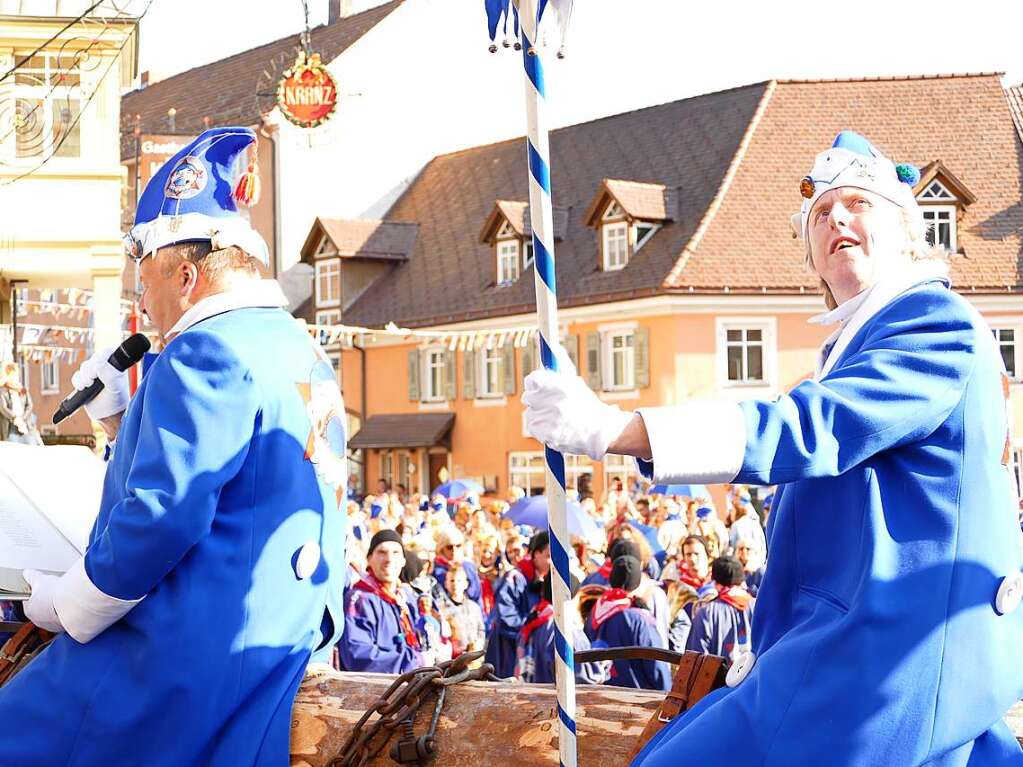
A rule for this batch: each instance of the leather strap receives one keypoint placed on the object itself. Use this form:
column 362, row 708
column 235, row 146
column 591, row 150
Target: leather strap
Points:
column 10, row 627
column 629, row 653
column 696, row 675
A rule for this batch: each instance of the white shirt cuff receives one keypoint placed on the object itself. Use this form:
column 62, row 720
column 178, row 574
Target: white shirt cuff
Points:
column 703, row 441
column 84, row 610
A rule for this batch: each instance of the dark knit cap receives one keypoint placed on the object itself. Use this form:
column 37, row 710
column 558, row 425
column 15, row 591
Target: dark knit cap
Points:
column 413, row 566
column 727, row 571
column 548, row 588
column 539, row 542
column 382, row 537
column 623, row 547
column 626, row 573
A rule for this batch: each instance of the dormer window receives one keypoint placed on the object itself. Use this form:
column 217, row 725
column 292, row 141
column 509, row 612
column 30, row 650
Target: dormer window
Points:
column 627, row 215
column 616, row 245
column 939, row 209
column 943, row 200
column 507, row 232
column 507, row 261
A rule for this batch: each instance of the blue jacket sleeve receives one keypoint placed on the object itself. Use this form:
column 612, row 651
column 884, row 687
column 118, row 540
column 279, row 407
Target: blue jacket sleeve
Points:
column 655, row 675
column 370, row 642
column 199, row 411
column 900, row 384
column 508, row 606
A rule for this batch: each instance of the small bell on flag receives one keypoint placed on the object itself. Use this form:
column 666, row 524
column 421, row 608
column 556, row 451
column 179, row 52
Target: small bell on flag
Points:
column 247, row 190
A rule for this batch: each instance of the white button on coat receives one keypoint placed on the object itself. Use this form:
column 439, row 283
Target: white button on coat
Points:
column 739, row 670
column 1010, row 593
column 308, row 560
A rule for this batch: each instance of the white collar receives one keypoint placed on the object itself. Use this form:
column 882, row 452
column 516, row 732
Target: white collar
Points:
column 869, row 302
column 842, row 312
column 261, row 293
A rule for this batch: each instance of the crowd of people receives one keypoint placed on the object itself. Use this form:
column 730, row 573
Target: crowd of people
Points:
column 430, row 578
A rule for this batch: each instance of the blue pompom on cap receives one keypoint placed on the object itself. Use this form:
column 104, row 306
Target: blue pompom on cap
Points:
column 908, row 174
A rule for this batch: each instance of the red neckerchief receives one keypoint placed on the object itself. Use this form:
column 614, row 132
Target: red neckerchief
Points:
column 440, row 561
column 543, row 612
column 527, row 568
column 370, row 583
column 487, row 595
column 736, row 596
column 605, row 569
column 610, row 603
column 688, row 577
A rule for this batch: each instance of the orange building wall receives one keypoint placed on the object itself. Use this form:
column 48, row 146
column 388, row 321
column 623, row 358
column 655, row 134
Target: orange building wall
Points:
column 683, row 364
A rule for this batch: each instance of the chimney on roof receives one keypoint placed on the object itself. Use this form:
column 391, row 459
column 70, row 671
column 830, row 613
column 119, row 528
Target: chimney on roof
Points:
column 338, row 9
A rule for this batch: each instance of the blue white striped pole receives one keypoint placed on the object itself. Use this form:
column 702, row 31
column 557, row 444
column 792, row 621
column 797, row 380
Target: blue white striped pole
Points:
column 541, row 220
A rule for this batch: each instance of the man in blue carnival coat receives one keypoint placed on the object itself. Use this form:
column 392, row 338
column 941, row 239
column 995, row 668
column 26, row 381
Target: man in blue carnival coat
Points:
column 903, row 650
column 721, row 622
column 380, row 617
column 213, row 572
column 618, row 619
column 514, row 600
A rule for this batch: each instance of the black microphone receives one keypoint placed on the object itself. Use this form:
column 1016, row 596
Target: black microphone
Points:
column 124, row 356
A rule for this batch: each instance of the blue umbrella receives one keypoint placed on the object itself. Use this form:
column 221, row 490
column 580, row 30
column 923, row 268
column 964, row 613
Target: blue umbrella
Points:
column 532, row 511
column 459, row 488
column 690, row 491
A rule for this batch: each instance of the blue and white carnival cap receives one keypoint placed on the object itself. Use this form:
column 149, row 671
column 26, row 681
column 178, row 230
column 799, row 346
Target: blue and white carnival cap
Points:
column 192, row 198
column 853, row 161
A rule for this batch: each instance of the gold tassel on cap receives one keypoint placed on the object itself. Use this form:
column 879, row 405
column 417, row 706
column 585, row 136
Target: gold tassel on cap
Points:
column 247, row 190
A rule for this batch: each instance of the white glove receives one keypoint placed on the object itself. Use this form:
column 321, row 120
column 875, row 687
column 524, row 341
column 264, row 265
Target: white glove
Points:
column 39, row 607
column 115, row 395
column 564, row 413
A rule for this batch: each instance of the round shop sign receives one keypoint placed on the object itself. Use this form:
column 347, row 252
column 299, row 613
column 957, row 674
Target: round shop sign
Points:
column 307, row 94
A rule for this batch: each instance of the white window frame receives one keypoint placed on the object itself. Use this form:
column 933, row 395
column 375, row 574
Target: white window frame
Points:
column 493, row 358
column 532, row 474
column 387, row 466
column 628, row 352
column 51, row 94
column 951, row 211
column 328, row 270
column 50, row 376
column 619, row 230
column 643, row 240
column 430, row 354
column 768, row 327
column 1016, row 326
column 329, row 317
column 528, row 256
column 508, row 255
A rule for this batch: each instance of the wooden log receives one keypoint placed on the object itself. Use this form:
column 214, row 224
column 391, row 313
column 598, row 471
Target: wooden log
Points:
column 483, row 722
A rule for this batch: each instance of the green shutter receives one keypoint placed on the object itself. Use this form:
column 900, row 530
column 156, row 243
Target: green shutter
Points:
column 414, row 392
column 508, row 367
column 469, row 374
column 593, row 377
column 528, row 357
column 642, row 358
column 449, row 375
column 571, row 344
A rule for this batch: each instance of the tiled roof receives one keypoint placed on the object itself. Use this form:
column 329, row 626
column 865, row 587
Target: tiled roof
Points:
column 1015, row 98
column 735, row 158
column 653, row 202
column 403, row 430
column 231, row 91
column 961, row 120
column 516, row 213
column 451, row 274
column 369, row 239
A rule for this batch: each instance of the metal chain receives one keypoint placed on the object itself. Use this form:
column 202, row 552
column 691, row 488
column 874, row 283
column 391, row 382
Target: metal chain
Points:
column 396, row 709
